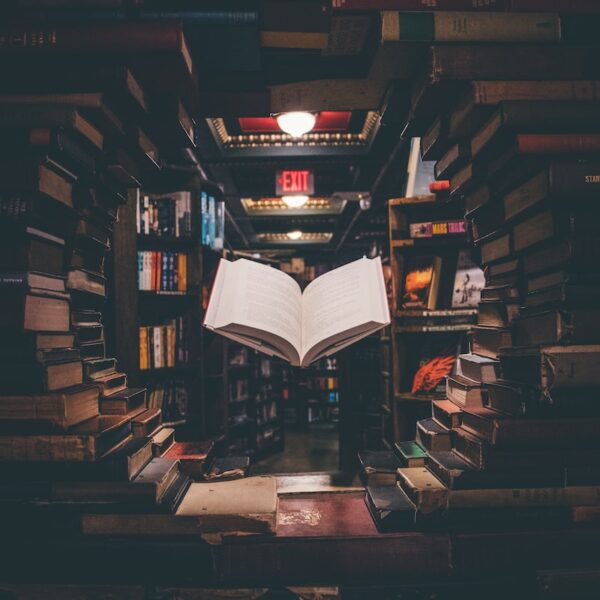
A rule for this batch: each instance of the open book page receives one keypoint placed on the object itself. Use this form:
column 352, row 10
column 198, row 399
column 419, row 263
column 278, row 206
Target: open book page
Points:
column 252, row 299
column 341, row 306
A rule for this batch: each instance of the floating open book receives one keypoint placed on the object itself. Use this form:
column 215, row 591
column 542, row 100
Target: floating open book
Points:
column 265, row 309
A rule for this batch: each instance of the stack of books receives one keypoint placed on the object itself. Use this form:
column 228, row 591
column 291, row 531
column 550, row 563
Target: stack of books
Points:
column 516, row 439
column 72, row 152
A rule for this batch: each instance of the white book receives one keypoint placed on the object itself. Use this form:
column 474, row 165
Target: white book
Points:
column 265, row 308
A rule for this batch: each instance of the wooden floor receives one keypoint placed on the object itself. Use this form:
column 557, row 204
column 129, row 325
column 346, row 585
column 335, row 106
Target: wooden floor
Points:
column 305, row 452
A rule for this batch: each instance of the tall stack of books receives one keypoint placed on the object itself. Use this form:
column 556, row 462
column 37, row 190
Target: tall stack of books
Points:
column 71, row 430
column 516, row 439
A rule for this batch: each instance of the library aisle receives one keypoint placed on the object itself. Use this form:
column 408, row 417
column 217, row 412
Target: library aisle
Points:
column 299, row 299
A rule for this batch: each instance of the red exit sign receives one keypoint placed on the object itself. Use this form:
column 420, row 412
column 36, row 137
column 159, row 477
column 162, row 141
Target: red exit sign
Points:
column 295, row 182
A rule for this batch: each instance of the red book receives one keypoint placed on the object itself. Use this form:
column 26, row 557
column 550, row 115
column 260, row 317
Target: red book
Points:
column 558, row 143
column 435, row 187
column 109, row 38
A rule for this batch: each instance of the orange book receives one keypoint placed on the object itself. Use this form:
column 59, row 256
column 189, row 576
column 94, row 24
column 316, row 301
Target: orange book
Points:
column 183, row 272
column 143, row 348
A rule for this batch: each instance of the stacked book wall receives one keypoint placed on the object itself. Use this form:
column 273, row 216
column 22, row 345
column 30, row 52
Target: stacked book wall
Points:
column 513, row 440
column 82, row 125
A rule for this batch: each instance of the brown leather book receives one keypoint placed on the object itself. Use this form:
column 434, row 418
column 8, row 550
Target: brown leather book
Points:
column 487, row 341
column 578, row 325
column 504, row 432
column 481, row 98
column 63, row 408
column 36, row 176
column 87, row 441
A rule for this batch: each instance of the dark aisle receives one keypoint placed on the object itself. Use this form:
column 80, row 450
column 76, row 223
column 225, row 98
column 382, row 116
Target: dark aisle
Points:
column 305, row 451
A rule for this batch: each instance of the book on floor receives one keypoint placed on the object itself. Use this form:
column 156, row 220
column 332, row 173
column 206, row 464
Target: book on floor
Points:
column 277, row 318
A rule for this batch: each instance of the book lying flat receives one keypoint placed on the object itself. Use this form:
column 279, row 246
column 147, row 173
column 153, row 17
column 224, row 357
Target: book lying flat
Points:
column 265, row 309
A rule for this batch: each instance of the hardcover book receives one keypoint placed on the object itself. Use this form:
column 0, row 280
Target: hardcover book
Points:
column 390, row 508
column 277, row 318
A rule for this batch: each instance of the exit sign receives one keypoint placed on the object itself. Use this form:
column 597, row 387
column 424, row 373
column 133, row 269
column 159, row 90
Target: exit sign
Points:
column 295, row 182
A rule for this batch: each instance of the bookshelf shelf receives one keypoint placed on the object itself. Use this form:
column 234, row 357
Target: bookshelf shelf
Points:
column 436, row 276
column 167, row 242
column 455, row 312
column 433, row 328
column 429, row 243
column 162, row 295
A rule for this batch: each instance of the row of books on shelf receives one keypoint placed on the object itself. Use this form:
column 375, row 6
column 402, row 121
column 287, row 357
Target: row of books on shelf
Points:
column 172, row 397
column 421, row 282
column 164, row 271
column 165, row 215
column 322, row 383
column 212, row 214
column 166, row 345
column 323, row 413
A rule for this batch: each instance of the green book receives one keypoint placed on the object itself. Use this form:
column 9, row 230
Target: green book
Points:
column 411, row 454
column 458, row 27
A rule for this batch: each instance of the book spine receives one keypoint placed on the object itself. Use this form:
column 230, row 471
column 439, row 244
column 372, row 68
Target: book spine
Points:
column 110, row 38
column 493, row 92
column 188, row 17
column 553, row 496
column 470, row 27
column 558, row 143
column 164, row 271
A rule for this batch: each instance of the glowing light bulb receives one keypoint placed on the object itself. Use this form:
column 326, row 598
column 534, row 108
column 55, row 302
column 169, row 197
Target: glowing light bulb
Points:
column 296, row 123
column 295, row 201
column 294, row 235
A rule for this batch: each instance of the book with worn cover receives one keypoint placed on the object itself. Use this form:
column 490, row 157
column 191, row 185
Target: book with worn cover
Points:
column 457, row 27
column 62, row 408
column 228, row 467
column 87, row 441
column 148, row 487
column 410, row 454
column 478, row 368
column 277, row 318
column 429, row 494
column 432, row 436
column 390, row 508
column 446, row 413
column 247, row 505
column 456, row 474
column 465, row 392
column 378, row 467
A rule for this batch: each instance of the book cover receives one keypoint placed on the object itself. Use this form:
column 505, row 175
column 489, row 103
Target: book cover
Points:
column 421, row 282
column 469, row 280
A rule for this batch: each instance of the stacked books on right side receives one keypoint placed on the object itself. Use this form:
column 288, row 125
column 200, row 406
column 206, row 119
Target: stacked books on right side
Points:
column 518, row 438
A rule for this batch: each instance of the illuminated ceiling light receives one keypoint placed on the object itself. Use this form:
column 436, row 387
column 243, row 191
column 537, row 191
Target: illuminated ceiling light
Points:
column 296, row 123
column 294, row 235
column 295, row 201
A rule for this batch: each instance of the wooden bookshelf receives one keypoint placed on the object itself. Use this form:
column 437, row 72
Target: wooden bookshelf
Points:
column 420, row 333
column 134, row 308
